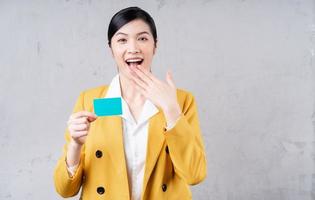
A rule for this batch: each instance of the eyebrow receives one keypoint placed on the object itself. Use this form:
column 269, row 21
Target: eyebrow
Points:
column 143, row 32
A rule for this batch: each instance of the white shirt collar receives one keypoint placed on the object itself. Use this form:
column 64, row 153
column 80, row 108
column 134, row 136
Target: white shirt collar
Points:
column 148, row 110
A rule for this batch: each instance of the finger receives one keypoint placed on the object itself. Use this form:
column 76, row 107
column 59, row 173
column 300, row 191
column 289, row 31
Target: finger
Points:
column 148, row 74
column 140, row 82
column 79, row 127
column 78, row 121
column 143, row 76
column 169, row 79
column 92, row 118
column 79, row 134
column 83, row 114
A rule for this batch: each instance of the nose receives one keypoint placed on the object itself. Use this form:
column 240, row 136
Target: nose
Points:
column 133, row 47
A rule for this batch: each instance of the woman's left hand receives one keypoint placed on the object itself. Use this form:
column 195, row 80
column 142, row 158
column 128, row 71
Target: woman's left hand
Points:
column 162, row 94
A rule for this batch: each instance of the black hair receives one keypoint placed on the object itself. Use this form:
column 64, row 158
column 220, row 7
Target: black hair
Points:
column 126, row 15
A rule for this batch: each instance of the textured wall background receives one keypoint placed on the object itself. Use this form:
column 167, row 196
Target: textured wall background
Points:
column 250, row 65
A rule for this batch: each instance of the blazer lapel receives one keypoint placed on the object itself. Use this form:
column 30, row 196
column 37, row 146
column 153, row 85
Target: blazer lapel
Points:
column 155, row 143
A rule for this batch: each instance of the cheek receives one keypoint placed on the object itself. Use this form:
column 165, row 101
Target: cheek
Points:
column 150, row 55
column 119, row 58
column 117, row 52
column 148, row 51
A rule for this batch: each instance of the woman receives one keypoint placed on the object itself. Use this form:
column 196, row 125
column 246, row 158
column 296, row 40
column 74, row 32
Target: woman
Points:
column 153, row 150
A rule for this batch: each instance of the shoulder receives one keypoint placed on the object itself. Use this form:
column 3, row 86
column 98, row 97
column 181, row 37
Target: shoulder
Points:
column 95, row 92
column 88, row 95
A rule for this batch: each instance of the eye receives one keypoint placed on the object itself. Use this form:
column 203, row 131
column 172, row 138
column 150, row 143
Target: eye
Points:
column 143, row 39
column 122, row 40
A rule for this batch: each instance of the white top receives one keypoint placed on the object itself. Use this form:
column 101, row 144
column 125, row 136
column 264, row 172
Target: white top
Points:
column 135, row 136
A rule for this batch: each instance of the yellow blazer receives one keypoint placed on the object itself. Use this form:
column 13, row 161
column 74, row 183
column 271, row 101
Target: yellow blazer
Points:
column 175, row 158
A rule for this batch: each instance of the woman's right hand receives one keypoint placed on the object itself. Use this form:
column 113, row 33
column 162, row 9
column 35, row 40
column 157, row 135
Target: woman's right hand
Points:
column 79, row 125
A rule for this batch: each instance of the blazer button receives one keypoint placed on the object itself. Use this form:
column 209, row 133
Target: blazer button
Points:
column 98, row 154
column 100, row 190
column 166, row 149
column 164, row 187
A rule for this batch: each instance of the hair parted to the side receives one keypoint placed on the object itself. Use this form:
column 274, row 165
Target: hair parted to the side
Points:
column 125, row 16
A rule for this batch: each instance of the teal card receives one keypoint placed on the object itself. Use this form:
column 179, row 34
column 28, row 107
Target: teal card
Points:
column 107, row 106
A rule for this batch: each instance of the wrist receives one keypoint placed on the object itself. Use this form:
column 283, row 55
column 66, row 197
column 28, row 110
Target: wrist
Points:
column 73, row 144
column 172, row 113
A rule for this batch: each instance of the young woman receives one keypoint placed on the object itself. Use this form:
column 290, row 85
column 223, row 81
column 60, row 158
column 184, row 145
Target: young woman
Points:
column 154, row 150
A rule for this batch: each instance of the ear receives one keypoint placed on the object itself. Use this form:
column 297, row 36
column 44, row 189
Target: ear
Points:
column 155, row 47
column 111, row 50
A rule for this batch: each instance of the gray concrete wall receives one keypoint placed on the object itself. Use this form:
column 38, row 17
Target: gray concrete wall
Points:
column 250, row 65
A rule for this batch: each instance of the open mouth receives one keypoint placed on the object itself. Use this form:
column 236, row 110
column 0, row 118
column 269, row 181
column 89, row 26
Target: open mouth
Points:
column 134, row 62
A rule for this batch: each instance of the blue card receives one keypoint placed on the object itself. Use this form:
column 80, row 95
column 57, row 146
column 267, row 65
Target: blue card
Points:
column 107, row 106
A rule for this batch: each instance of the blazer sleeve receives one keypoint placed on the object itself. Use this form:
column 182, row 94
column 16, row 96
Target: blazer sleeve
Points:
column 66, row 185
column 185, row 144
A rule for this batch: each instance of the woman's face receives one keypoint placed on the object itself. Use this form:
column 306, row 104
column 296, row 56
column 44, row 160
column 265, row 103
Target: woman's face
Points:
column 132, row 45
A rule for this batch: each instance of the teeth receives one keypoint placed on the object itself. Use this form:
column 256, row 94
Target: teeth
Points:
column 134, row 60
